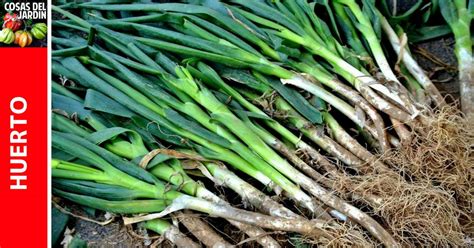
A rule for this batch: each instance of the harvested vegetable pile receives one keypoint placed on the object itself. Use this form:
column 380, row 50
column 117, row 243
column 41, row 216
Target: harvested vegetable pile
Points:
column 314, row 114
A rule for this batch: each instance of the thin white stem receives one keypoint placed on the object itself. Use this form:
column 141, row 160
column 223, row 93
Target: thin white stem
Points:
column 411, row 64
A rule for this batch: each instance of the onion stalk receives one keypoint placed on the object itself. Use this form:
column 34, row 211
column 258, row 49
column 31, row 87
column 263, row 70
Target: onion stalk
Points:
column 458, row 14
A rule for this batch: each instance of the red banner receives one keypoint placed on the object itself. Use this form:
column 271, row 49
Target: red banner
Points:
column 23, row 147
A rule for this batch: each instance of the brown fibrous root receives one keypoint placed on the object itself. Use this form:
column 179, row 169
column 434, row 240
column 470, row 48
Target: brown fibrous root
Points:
column 343, row 235
column 416, row 213
column 427, row 199
column 442, row 153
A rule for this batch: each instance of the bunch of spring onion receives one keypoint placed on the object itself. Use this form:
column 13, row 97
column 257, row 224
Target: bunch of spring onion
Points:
column 164, row 67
